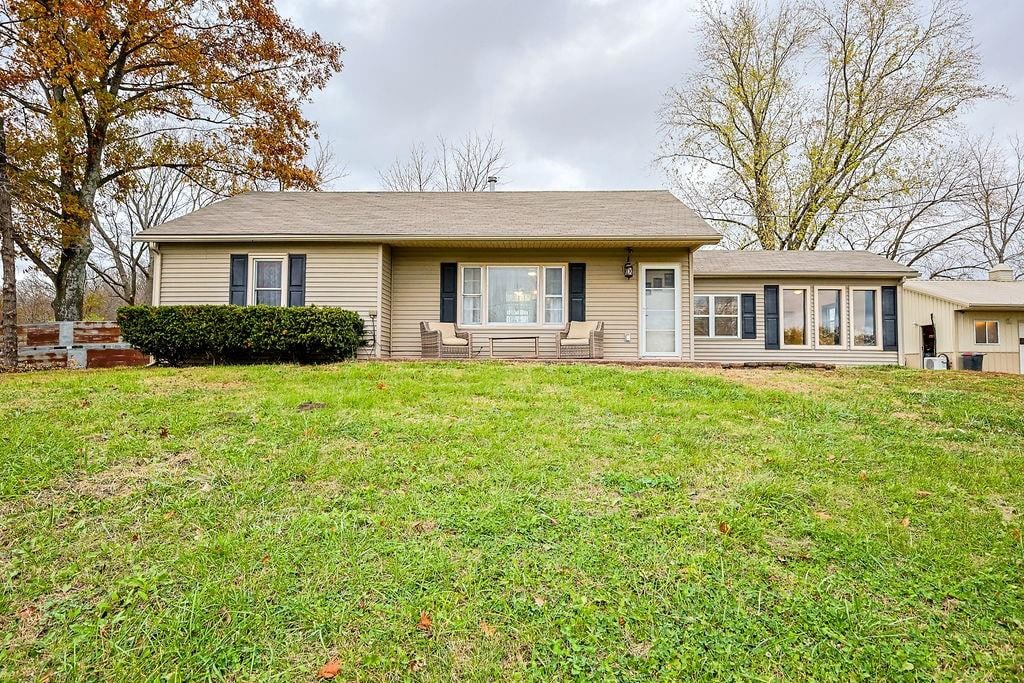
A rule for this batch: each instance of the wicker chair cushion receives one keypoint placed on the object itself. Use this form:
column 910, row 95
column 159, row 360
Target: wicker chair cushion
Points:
column 580, row 330
column 448, row 337
column 574, row 341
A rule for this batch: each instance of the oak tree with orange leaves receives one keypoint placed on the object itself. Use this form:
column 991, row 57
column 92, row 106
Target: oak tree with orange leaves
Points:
column 94, row 92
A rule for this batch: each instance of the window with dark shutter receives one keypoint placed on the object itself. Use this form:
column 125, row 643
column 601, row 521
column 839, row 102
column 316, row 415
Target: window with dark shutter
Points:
column 748, row 309
column 449, row 291
column 890, row 325
column 771, row 317
column 577, row 291
column 238, row 279
column 296, row 279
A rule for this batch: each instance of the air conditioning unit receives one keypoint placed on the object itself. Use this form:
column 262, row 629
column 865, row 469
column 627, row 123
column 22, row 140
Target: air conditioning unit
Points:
column 935, row 363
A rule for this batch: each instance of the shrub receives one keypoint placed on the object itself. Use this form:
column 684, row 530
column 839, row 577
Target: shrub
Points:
column 241, row 334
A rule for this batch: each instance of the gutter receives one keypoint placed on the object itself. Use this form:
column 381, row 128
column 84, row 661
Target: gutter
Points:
column 392, row 239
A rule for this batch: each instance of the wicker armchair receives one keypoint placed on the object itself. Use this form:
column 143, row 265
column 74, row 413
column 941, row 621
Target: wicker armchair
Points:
column 444, row 340
column 581, row 340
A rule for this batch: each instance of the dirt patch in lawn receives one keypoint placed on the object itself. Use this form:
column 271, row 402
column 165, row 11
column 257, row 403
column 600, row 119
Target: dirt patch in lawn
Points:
column 807, row 382
column 126, row 477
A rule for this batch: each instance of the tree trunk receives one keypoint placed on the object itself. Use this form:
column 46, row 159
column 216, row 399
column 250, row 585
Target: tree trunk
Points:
column 9, row 299
column 69, row 285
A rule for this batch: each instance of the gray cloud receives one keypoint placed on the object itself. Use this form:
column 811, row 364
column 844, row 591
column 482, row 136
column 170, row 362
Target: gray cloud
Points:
column 572, row 87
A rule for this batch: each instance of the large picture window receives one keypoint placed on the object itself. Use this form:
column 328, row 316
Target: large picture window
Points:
column 986, row 331
column 512, row 295
column 865, row 317
column 830, row 317
column 716, row 315
column 794, row 317
column 268, row 277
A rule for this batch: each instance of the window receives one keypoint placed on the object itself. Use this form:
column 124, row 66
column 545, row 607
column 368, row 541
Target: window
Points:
column 716, row 315
column 472, row 295
column 986, row 331
column 830, row 317
column 865, row 317
column 554, row 299
column 512, row 295
column 794, row 317
column 267, row 280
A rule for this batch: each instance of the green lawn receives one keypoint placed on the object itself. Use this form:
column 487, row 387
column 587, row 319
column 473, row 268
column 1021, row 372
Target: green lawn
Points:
column 553, row 522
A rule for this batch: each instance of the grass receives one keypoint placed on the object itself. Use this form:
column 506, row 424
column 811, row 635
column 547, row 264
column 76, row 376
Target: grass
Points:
column 551, row 522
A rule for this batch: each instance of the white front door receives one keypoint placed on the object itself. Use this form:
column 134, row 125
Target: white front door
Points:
column 659, row 311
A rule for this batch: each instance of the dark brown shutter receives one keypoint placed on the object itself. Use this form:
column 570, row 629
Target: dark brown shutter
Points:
column 890, row 324
column 296, row 279
column 771, row 317
column 238, row 279
column 748, row 310
column 578, row 291
column 449, row 291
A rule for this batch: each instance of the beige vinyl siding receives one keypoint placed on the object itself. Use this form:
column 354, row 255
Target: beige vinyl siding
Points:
column 752, row 350
column 1001, row 357
column 918, row 310
column 342, row 275
column 954, row 330
column 385, row 300
column 609, row 296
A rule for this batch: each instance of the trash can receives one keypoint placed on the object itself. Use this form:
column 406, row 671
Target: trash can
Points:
column 972, row 361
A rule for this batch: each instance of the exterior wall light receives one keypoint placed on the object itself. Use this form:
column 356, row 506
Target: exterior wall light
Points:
column 627, row 267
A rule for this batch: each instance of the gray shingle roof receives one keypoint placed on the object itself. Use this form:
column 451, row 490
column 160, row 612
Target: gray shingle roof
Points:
column 648, row 215
column 708, row 262
column 974, row 293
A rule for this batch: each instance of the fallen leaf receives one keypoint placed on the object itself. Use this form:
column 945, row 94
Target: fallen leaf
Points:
column 310, row 405
column 821, row 514
column 416, row 665
column 905, row 521
column 1015, row 532
column 265, row 559
column 921, row 493
column 539, row 601
column 382, row 386
column 488, row 630
column 724, row 528
column 425, row 624
column 169, row 514
column 164, row 433
column 329, row 670
column 863, row 475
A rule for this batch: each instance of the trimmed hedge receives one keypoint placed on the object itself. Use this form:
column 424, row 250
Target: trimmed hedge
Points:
column 177, row 335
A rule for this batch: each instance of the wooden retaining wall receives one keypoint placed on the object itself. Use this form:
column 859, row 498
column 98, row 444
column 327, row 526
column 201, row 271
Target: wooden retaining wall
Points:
column 75, row 345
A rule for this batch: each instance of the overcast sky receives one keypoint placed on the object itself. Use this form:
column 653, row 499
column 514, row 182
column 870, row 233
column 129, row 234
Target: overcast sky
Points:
column 572, row 87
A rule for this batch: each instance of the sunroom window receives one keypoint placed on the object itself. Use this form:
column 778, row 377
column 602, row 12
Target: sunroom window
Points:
column 865, row 317
column 794, row 317
column 830, row 317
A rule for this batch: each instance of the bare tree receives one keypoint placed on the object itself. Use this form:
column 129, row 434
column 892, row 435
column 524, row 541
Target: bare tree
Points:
column 144, row 200
column 462, row 166
column 9, row 299
column 995, row 205
column 801, row 117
